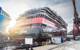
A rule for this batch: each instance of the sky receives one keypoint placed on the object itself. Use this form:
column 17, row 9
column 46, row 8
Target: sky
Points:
column 63, row 8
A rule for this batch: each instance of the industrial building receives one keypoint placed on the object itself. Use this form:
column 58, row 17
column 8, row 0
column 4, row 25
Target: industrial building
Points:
column 4, row 21
column 41, row 24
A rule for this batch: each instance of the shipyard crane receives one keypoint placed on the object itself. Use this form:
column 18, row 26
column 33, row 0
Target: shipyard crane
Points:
column 76, row 21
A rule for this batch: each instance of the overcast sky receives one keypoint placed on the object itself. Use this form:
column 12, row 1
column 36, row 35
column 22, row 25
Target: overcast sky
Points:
column 62, row 7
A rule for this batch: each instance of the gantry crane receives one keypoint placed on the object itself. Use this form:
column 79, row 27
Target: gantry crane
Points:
column 76, row 21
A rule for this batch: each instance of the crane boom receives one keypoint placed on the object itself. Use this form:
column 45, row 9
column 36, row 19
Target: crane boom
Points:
column 75, row 11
